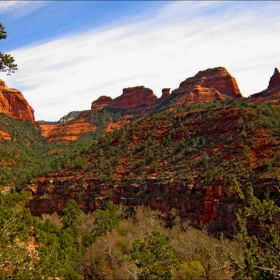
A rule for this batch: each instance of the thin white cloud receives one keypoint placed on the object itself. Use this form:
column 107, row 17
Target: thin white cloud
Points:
column 18, row 9
column 181, row 39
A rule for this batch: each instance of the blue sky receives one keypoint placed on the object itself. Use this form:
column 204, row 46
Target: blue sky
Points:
column 71, row 52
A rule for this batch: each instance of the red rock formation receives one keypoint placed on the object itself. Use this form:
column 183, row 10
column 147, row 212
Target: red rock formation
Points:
column 271, row 94
column 91, row 191
column 274, row 83
column 69, row 131
column 208, row 86
column 134, row 97
column 101, row 102
column 165, row 93
column 14, row 104
column 131, row 98
column 201, row 205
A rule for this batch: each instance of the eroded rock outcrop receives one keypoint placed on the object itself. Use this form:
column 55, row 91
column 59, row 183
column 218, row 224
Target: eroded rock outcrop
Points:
column 165, row 94
column 134, row 97
column 213, row 84
column 67, row 131
column 271, row 94
column 274, row 83
column 131, row 97
column 101, row 102
column 13, row 103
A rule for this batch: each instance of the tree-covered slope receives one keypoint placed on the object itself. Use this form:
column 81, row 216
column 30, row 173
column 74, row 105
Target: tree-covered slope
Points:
column 204, row 143
column 25, row 154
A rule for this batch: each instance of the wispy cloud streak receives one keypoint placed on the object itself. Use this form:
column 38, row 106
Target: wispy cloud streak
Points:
column 19, row 9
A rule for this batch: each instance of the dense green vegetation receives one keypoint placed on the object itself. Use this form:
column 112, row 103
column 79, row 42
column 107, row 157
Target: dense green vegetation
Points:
column 27, row 155
column 262, row 247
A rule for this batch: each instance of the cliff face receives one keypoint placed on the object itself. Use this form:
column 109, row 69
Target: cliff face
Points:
column 14, row 104
column 70, row 116
column 202, row 206
column 271, row 94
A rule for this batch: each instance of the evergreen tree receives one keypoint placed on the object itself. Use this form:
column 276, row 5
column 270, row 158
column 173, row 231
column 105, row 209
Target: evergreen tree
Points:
column 71, row 216
column 155, row 257
column 106, row 219
column 7, row 62
column 261, row 247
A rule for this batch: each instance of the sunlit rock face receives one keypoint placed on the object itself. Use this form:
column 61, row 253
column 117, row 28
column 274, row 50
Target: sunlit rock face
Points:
column 130, row 98
column 214, row 84
column 13, row 103
column 134, row 97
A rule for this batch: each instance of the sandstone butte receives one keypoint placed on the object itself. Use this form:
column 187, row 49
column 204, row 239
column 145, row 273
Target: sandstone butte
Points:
column 131, row 97
column 271, row 94
column 12, row 103
column 213, row 84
